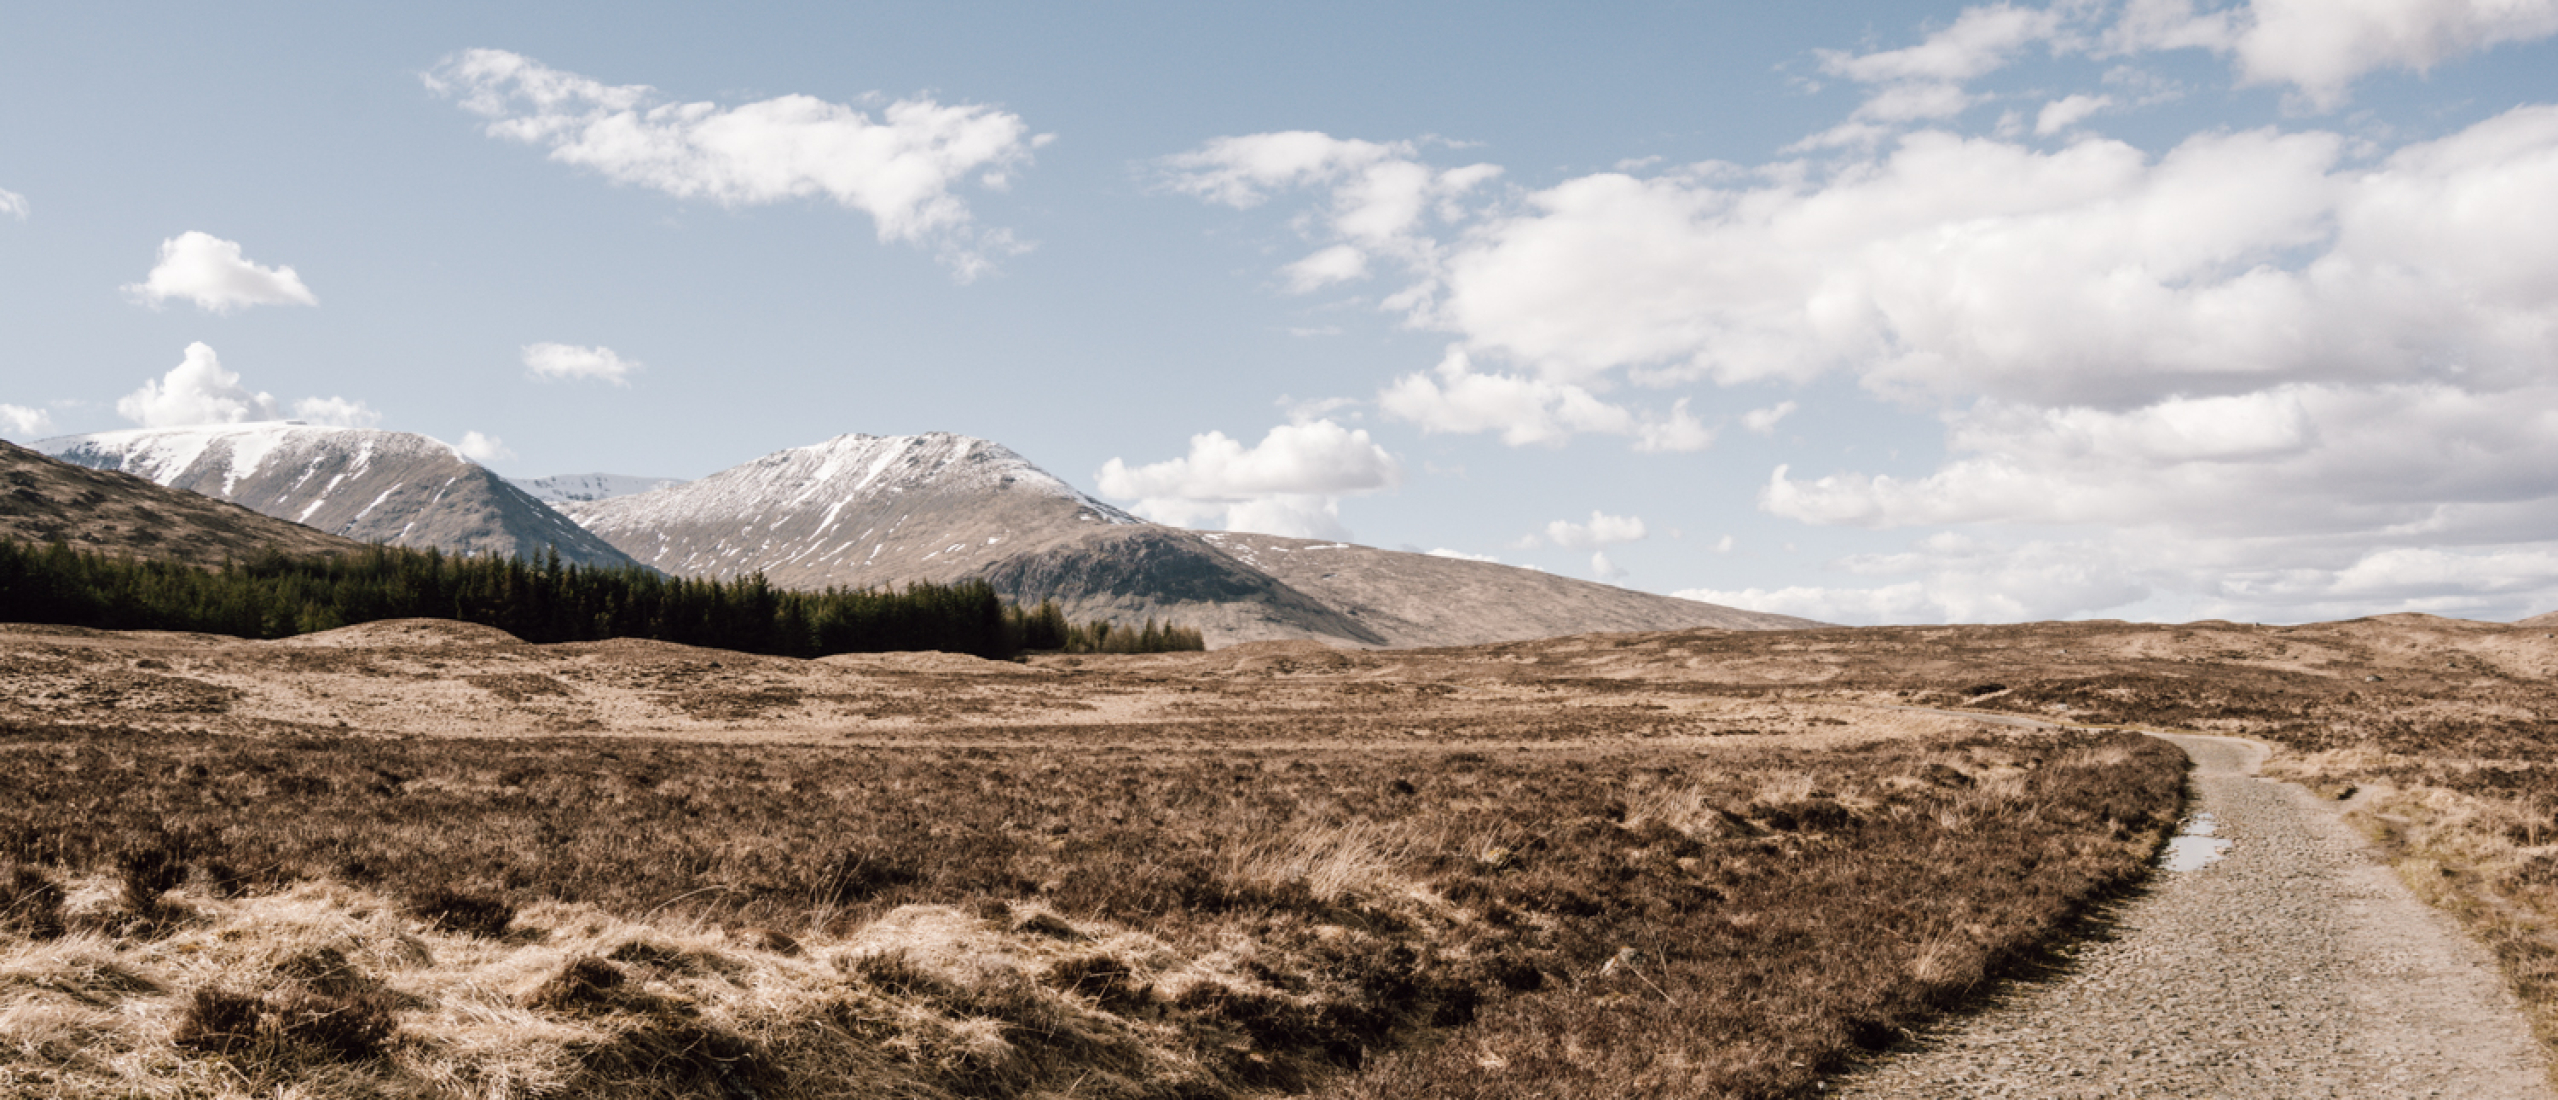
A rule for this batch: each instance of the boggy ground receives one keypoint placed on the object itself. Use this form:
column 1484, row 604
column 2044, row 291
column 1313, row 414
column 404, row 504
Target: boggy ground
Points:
column 424, row 860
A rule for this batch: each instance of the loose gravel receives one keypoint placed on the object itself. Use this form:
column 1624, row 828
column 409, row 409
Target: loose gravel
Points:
column 2297, row 965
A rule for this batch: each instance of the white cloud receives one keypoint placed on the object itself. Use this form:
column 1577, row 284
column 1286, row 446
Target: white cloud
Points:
column 548, row 360
column 901, row 168
column 209, row 271
column 1452, row 398
column 2067, row 111
column 1340, row 263
column 2322, row 46
column 336, row 412
column 196, row 391
column 1678, row 432
column 1602, row 530
column 2265, row 355
column 1461, row 555
column 1381, row 197
column 21, row 423
column 1604, row 569
column 1980, row 41
column 1925, row 81
column 1764, row 421
column 13, row 204
column 1722, row 545
column 1959, row 580
column 1290, row 483
column 483, row 448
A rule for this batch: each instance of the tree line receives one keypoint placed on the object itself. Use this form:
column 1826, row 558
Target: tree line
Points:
column 274, row 595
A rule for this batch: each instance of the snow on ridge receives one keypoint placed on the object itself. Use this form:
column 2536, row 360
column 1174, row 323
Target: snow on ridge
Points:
column 234, row 453
column 829, row 475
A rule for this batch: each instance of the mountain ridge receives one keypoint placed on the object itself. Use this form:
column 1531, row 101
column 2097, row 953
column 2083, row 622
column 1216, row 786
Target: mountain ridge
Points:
column 862, row 510
column 359, row 483
column 43, row 499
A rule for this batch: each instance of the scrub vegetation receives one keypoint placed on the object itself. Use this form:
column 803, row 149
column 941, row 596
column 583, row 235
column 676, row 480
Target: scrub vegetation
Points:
column 1268, row 870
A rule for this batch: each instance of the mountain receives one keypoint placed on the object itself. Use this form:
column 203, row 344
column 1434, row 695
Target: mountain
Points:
column 2549, row 618
column 859, row 511
column 569, row 488
column 42, row 500
column 372, row 486
column 1428, row 600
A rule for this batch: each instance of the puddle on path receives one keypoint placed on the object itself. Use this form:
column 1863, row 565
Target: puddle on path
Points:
column 2194, row 847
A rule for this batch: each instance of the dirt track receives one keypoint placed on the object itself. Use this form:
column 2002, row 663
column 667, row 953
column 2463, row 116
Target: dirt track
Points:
column 2295, row 966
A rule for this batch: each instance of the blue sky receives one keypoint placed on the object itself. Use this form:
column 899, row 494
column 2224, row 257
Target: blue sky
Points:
column 1874, row 313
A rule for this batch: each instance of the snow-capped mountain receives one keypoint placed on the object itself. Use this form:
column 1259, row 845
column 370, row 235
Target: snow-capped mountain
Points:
column 568, row 488
column 855, row 510
column 860, row 511
column 374, row 486
column 114, row 513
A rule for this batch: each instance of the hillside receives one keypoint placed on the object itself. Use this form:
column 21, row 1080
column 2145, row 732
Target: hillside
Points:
column 860, row 511
column 373, row 486
column 1426, row 600
column 117, row 513
column 863, row 510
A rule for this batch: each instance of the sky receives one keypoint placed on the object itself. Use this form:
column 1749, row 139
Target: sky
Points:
column 1872, row 313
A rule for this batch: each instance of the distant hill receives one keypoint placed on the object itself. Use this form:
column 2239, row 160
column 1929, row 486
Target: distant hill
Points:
column 42, row 500
column 2548, row 620
column 374, row 486
column 565, row 488
column 1425, row 599
column 863, row 510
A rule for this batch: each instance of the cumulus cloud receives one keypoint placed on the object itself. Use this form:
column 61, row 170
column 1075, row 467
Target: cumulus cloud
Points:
column 1291, row 483
column 1454, row 398
column 19, row 422
column 209, row 271
column 336, row 412
column 2067, row 111
column 196, row 391
column 1957, row 579
column 1381, row 197
column 902, row 168
column 483, row 448
column 2256, row 349
column 2321, row 47
column 1602, row 530
column 1926, row 81
column 13, row 204
column 548, row 360
column 1603, row 569
column 1764, row 421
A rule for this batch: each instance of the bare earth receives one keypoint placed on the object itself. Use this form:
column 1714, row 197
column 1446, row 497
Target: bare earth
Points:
column 2295, row 966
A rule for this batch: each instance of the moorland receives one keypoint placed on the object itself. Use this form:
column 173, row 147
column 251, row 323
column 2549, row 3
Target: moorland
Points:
column 424, row 858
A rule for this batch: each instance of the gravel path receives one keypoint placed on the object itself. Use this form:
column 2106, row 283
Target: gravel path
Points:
column 2294, row 966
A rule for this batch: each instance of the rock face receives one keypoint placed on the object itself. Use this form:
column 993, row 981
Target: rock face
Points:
column 372, row 486
column 42, row 500
column 860, row 511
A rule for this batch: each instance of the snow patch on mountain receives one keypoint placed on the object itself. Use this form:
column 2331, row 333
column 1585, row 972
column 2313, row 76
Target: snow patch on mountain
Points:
column 579, row 488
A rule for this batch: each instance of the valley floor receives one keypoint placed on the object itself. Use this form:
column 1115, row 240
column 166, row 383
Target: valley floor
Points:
column 416, row 859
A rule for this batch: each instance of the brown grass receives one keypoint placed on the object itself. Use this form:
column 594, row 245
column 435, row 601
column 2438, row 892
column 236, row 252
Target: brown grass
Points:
column 1131, row 877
